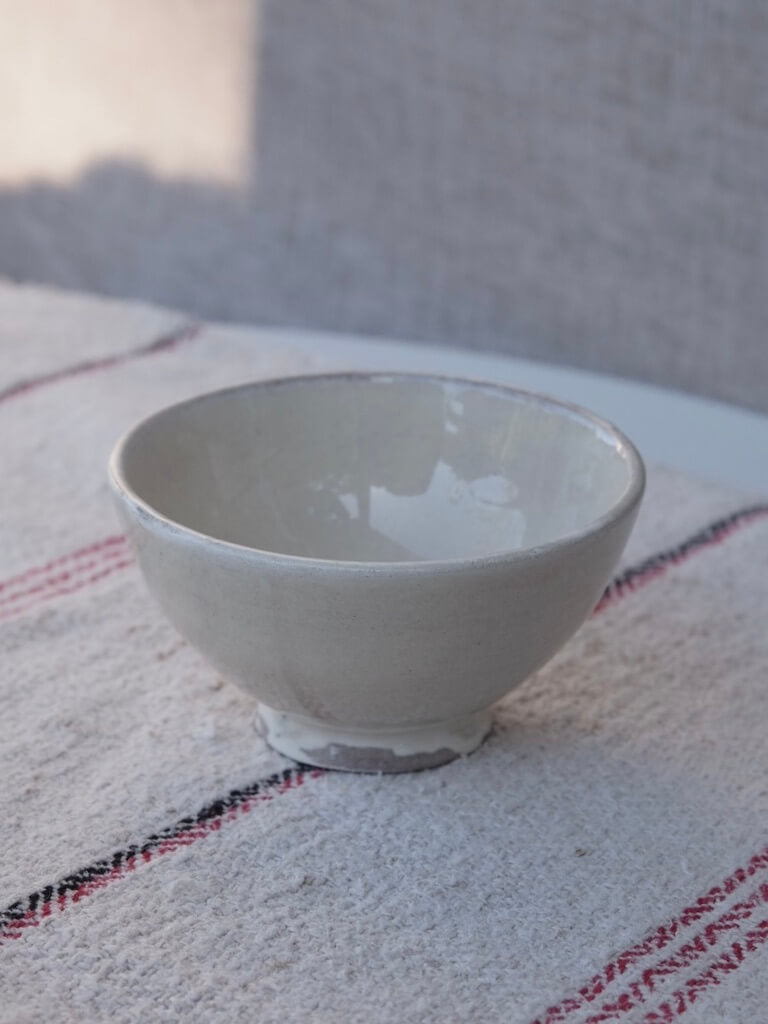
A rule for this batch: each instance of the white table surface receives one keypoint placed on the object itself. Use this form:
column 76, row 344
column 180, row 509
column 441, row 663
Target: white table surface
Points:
column 710, row 440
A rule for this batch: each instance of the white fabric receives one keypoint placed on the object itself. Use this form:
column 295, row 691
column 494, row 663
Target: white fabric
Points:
column 622, row 782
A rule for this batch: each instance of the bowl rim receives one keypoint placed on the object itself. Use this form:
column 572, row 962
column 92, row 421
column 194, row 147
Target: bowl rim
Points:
column 629, row 499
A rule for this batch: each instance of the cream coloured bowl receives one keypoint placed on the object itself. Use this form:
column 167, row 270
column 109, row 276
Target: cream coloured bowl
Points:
column 378, row 558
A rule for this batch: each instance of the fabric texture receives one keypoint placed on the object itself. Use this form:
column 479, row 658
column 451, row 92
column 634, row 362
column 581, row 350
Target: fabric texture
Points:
column 603, row 857
column 578, row 182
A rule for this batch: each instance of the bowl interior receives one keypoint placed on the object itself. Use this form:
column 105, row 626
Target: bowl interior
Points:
column 380, row 468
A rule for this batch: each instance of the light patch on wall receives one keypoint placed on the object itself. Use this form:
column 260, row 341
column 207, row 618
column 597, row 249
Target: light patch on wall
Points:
column 170, row 85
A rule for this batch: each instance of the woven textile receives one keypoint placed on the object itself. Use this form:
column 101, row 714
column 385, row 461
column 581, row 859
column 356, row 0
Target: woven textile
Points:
column 603, row 857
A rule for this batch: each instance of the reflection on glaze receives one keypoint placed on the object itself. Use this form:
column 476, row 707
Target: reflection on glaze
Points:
column 464, row 506
column 384, row 469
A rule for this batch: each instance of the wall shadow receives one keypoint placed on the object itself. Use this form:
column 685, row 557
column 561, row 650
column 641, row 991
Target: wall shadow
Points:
column 488, row 177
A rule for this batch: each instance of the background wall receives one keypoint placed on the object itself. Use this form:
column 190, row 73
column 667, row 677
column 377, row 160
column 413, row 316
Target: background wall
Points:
column 580, row 182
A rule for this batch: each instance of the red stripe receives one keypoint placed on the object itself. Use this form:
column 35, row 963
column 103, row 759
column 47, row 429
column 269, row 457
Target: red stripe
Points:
column 163, row 344
column 615, row 593
column 639, row 992
column 64, row 574
column 55, row 563
column 657, row 941
column 717, row 972
column 75, row 565
column 19, row 607
column 171, row 845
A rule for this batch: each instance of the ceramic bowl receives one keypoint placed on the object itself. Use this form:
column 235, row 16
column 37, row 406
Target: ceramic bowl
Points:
column 377, row 558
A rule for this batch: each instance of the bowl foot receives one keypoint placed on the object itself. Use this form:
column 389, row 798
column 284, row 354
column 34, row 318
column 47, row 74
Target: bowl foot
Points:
column 391, row 749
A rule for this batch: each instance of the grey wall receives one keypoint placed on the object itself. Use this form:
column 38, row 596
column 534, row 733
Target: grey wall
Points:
column 583, row 182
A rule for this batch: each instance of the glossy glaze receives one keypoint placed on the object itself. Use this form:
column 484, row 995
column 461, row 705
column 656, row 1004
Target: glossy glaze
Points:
column 379, row 469
column 378, row 555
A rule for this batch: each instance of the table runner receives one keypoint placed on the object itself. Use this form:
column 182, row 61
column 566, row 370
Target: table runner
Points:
column 602, row 857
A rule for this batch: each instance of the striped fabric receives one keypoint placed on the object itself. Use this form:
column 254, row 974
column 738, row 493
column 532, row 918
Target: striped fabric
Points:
column 602, row 858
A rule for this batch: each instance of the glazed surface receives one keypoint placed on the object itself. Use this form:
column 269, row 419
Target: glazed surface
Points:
column 377, row 468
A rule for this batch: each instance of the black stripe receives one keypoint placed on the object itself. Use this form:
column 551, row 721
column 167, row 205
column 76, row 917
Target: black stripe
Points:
column 71, row 883
column 236, row 797
column 16, row 910
column 670, row 556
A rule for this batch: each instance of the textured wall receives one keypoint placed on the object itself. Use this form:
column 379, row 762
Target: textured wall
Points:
column 580, row 182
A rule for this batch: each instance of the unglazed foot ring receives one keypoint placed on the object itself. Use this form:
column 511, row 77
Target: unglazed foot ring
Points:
column 393, row 749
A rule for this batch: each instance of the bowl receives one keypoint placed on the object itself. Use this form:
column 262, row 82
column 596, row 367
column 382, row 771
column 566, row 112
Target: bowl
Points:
column 378, row 558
